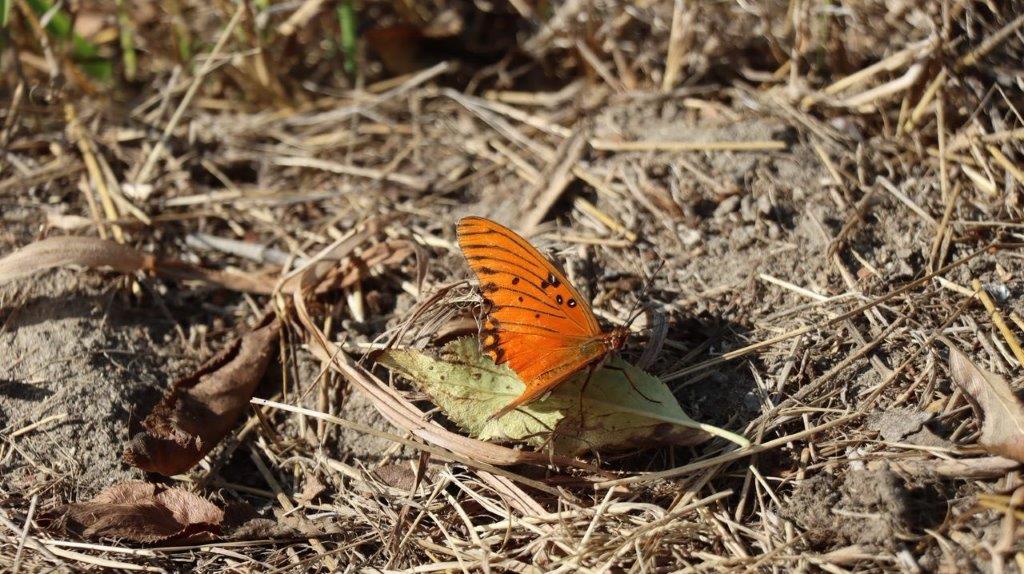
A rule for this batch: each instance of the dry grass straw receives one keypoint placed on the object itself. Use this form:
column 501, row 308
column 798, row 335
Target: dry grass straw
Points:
column 638, row 127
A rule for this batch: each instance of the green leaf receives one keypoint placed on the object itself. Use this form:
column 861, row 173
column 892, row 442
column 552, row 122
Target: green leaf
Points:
column 613, row 415
column 83, row 52
column 469, row 387
column 5, row 12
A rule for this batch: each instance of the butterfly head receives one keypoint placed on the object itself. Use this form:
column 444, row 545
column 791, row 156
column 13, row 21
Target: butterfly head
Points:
column 615, row 339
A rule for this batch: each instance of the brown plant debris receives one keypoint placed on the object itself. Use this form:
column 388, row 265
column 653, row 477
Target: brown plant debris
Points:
column 998, row 409
column 828, row 188
column 91, row 252
column 201, row 408
column 148, row 513
column 59, row 251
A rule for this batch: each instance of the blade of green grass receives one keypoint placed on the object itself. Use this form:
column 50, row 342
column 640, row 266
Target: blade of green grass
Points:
column 83, row 52
column 348, row 21
column 181, row 33
column 5, row 15
column 128, row 55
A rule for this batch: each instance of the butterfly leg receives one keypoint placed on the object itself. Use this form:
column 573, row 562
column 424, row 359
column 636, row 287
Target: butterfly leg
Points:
column 625, row 373
column 583, row 388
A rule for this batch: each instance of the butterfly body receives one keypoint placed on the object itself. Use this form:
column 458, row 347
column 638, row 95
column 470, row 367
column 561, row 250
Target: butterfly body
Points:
column 536, row 321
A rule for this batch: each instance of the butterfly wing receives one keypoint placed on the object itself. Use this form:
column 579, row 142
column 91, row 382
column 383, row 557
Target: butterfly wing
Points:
column 537, row 321
column 546, row 369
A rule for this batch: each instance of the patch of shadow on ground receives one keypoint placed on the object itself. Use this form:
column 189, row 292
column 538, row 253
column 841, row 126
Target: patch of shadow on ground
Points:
column 724, row 395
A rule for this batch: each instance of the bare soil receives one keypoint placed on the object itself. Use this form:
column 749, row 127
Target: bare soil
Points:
column 755, row 245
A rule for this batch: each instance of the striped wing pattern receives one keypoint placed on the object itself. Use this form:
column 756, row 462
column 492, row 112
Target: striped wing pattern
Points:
column 536, row 321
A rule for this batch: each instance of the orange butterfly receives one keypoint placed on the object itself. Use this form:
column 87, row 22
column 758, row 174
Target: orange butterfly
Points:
column 536, row 322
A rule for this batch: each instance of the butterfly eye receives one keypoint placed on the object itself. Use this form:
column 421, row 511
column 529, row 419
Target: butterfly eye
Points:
column 553, row 280
column 515, row 281
column 572, row 303
column 558, row 299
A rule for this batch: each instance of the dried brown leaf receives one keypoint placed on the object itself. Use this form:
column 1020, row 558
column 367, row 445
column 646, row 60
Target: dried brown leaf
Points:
column 91, row 252
column 1000, row 411
column 397, row 475
column 201, row 408
column 144, row 512
column 312, row 488
column 62, row 251
column 906, row 426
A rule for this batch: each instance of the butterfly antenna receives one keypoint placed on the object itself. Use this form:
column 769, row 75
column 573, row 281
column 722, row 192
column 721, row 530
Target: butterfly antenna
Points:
column 634, row 313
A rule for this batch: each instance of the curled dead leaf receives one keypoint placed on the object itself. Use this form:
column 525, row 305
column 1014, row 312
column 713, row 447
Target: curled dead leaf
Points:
column 201, row 408
column 144, row 512
column 156, row 514
column 312, row 489
column 62, row 251
column 94, row 253
column 1000, row 411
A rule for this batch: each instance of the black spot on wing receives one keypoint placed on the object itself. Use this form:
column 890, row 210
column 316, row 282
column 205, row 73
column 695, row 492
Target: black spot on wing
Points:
column 527, row 295
column 485, row 270
column 470, row 231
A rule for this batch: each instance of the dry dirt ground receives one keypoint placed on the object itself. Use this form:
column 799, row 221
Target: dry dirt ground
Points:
column 837, row 205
